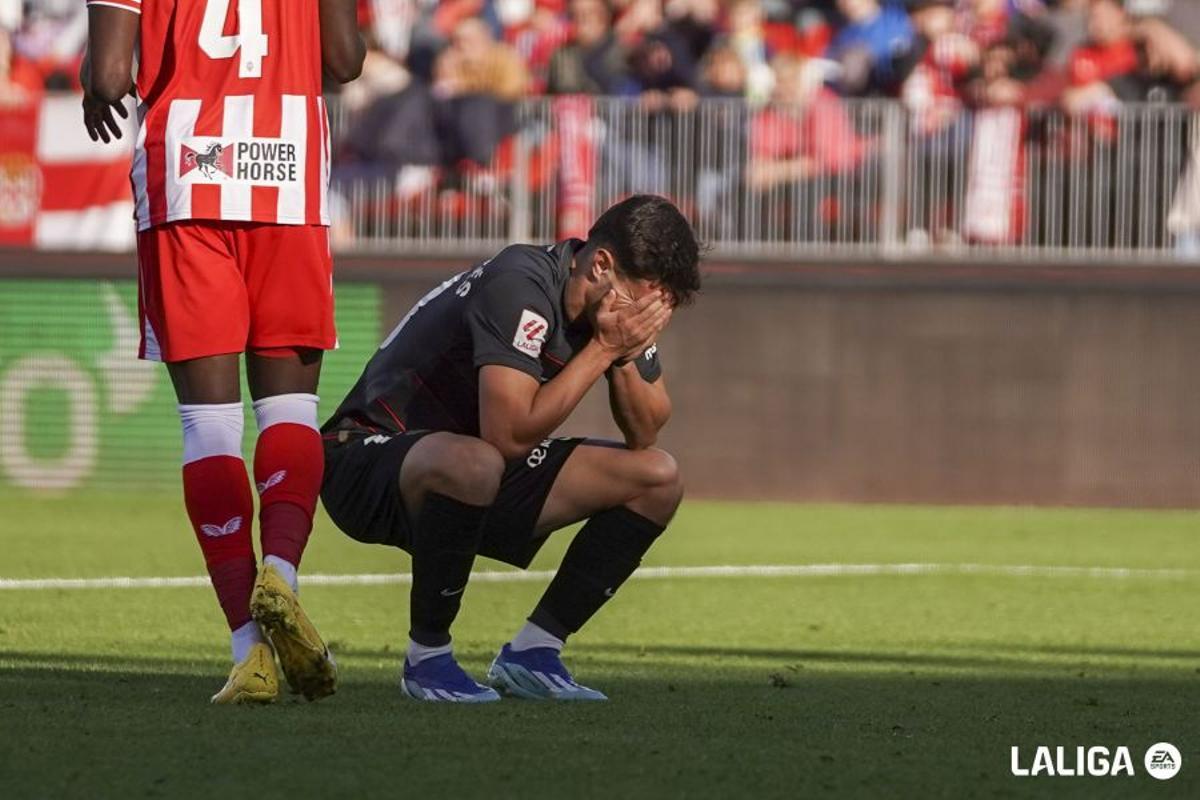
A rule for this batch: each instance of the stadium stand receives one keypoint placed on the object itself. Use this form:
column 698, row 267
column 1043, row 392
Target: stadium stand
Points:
column 1024, row 127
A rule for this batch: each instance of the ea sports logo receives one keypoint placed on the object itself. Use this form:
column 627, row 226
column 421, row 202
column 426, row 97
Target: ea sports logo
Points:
column 1163, row 761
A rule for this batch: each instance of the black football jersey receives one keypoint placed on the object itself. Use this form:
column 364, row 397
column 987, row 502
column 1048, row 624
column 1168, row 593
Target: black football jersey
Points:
column 507, row 310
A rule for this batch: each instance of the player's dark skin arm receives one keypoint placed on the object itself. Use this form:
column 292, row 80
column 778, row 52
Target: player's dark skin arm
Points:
column 342, row 46
column 516, row 412
column 107, row 69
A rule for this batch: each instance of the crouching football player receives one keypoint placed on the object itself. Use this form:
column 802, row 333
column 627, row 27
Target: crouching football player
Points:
column 443, row 446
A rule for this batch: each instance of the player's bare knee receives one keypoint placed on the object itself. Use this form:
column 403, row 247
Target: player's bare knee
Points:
column 661, row 470
column 462, row 467
column 662, row 490
column 479, row 466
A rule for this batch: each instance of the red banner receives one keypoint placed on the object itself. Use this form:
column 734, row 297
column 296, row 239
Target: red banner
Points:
column 577, row 165
column 58, row 189
column 21, row 181
column 995, row 203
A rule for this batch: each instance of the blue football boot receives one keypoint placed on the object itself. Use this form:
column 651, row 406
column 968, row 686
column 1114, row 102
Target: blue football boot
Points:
column 441, row 680
column 536, row 674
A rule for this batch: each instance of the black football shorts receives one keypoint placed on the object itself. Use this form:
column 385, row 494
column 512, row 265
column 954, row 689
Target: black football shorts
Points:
column 361, row 493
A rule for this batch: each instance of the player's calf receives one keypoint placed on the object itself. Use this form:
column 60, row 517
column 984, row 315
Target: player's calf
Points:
column 603, row 555
column 216, row 493
column 448, row 482
column 288, row 465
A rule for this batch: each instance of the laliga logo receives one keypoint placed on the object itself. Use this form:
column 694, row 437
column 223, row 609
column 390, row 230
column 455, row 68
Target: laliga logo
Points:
column 1162, row 762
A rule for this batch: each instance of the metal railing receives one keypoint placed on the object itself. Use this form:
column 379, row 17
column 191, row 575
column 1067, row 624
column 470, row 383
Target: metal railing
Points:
column 828, row 179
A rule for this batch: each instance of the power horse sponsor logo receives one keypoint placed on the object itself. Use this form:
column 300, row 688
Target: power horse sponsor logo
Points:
column 261, row 162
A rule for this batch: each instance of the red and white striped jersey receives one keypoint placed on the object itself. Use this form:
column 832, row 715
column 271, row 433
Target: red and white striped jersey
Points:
column 232, row 125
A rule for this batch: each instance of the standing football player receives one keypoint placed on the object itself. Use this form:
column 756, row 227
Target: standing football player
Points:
column 443, row 446
column 229, row 176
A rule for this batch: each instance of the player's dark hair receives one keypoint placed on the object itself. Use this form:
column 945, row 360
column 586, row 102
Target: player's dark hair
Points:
column 653, row 241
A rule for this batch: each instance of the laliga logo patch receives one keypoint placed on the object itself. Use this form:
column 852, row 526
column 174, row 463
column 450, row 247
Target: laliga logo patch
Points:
column 232, row 526
column 531, row 333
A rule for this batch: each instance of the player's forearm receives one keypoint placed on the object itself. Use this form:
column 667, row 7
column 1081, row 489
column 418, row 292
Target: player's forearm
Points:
column 639, row 408
column 107, row 71
column 342, row 46
column 552, row 403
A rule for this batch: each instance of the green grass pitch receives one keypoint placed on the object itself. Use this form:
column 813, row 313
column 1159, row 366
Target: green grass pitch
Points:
column 899, row 686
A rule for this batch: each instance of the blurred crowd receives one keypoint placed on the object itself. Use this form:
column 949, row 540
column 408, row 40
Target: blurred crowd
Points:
column 41, row 45
column 442, row 80
column 457, row 66
column 473, row 58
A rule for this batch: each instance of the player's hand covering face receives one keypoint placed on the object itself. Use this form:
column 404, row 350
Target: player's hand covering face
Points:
column 631, row 297
column 626, row 327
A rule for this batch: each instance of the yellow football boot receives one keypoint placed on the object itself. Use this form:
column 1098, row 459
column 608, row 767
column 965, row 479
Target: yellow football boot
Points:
column 306, row 661
column 252, row 680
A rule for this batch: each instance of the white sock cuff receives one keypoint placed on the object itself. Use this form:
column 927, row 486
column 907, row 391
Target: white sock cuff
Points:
column 211, row 430
column 286, row 568
column 419, row 652
column 533, row 636
column 298, row 409
column 242, row 639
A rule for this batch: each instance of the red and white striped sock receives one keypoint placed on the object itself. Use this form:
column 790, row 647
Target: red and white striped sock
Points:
column 217, row 494
column 288, row 465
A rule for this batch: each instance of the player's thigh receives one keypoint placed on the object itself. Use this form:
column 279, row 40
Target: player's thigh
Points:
column 289, row 282
column 361, row 486
column 600, row 475
column 212, row 379
column 192, row 300
column 463, row 467
column 283, row 370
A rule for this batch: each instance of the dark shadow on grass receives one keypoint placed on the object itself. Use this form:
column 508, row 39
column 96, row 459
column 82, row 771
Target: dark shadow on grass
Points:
column 142, row 727
column 729, row 661
column 1016, row 654
column 1106, row 651
column 1006, row 657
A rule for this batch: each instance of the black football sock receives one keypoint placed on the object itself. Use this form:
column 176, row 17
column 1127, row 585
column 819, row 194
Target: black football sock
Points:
column 444, row 546
column 604, row 554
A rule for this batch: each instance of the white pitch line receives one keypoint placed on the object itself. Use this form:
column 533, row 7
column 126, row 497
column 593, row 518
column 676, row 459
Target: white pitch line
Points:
column 647, row 573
